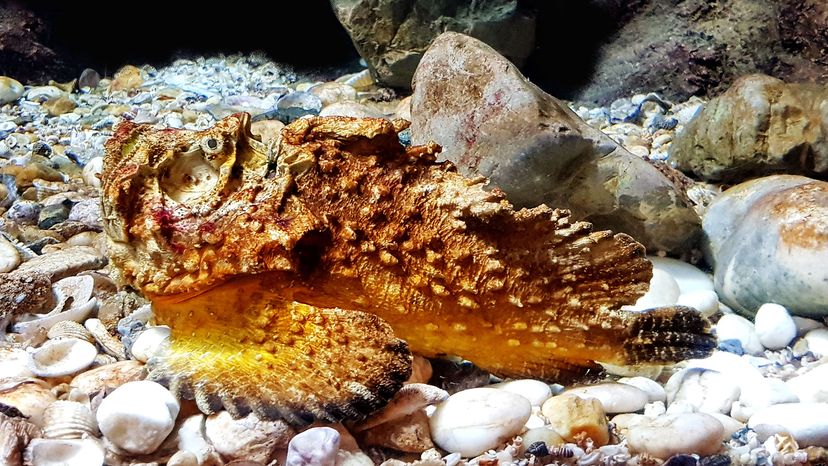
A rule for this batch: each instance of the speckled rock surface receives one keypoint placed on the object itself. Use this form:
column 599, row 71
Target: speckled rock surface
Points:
column 491, row 121
column 391, row 35
column 764, row 237
column 760, row 126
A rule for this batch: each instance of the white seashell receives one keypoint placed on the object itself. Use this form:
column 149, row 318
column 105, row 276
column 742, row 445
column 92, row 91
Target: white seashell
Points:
column 183, row 458
column 111, row 345
column 69, row 329
column 9, row 257
column 91, row 171
column 78, row 288
column 62, row 452
column 85, row 238
column 14, row 362
column 28, row 396
column 411, row 398
column 149, row 342
column 57, row 358
column 69, row 420
column 317, row 446
column 76, row 313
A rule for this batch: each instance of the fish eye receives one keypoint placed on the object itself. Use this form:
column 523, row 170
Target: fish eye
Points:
column 211, row 145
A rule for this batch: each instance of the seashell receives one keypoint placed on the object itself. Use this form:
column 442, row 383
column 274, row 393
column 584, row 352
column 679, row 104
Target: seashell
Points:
column 107, row 342
column 108, row 377
column 23, row 251
column 57, row 358
column 30, row 396
column 91, row 171
column 104, row 359
column 14, row 362
column 410, row 399
column 45, row 322
column 69, row 329
column 183, row 458
column 62, row 452
column 84, row 238
column 149, row 342
column 69, row 420
column 9, row 257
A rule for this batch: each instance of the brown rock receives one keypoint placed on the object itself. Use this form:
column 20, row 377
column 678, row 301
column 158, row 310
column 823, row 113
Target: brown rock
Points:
column 410, row 434
column 108, row 377
column 573, row 417
column 59, row 105
column 23, row 292
column 66, row 262
column 15, row 434
column 126, row 79
column 391, row 35
column 759, row 126
column 491, row 121
column 24, row 175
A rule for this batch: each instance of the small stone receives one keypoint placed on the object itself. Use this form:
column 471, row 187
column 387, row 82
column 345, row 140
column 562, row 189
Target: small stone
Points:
column 10, row 90
column 25, row 175
column 89, row 78
column 704, row 301
column 137, row 416
column 572, row 417
column 545, row 435
column 663, row 291
column 333, row 92
column 668, row 435
column 108, row 377
column 654, row 390
column 774, row 326
column 350, row 109
column 183, row 458
column 316, row 446
column 149, row 342
column 734, row 327
column 248, row 438
column 730, row 425
column 296, row 105
column 59, row 105
column 614, row 397
column 126, row 79
column 51, row 215
column 533, row 390
column 805, row 325
column 87, row 212
column 805, row 421
column 65, row 262
column 688, row 277
column 410, row 434
column 706, row 391
column 812, row 386
column 760, row 394
column 9, row 257
column 91, row 171
column 818, row 341
column 31, row 399
column 475, row 420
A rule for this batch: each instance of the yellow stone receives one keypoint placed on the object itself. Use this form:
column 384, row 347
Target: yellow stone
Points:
column 574, row 417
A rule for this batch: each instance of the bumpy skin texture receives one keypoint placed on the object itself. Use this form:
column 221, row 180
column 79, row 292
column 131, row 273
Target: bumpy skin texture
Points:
column 282, row 275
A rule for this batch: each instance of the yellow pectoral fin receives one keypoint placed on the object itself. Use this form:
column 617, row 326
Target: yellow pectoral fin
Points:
column 238, row 349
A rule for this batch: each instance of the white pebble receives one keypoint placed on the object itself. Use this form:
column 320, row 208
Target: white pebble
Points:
column 812, row 386
column 688, row 277
column 138, row 416
column 614, row 397
column 61, row 452
column 704, row 301
column 9, row 257
column 149, row 342
column 533, row 390
column 805, row 421
column 654, row 409
column 663, row 291
column 191, row 438
column 706, row 391
column 10, row 90
column 248, row 438
column 761, row 394
column 316, row 446
column 473, row 421
column 730, row 425
column 91, row 171
column 653, row 389
column 670, row 435
column 774, row 326
column 734, row 327
column 818, row 341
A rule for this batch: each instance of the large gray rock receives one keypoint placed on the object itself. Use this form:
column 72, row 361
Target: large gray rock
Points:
column 767, row 240
column 681, row 48
column 491, row 121
column 391, row 35
column 759, row 126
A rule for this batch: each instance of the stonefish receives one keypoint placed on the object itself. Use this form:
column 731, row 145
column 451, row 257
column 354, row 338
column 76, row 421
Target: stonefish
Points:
column 298, row 278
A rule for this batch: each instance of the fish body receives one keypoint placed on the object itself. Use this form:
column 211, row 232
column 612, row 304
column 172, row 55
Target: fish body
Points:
column 297, row 280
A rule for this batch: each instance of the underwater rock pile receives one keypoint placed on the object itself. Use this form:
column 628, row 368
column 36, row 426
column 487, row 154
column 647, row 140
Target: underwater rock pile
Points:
column 93, row 373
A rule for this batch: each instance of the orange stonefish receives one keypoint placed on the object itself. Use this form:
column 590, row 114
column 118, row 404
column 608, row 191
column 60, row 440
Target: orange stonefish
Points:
column 296, row 278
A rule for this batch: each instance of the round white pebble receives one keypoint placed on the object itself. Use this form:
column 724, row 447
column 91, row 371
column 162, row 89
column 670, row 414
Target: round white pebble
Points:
column 663, row 291
column 811, row 386
column 734, row 327
column 706, row 391
column 614, row 397
column 805, row 421
column 149, row 342
column 805, row 325
column 138, row 416
column 818, row 341
column 774, row 326
column 654, row 390
column 670, row 435
column 688, row 277
column 473, row 421
column 533, row 390
column 704, row 301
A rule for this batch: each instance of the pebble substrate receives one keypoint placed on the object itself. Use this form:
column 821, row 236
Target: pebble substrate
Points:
column 759, row 400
